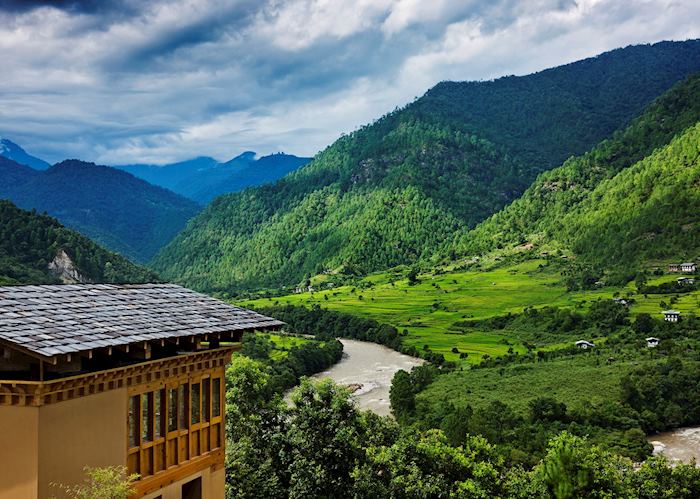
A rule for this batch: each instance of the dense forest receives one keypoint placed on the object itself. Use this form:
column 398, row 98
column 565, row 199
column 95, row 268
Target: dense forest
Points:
column 30, row 241
column 393, row 191
column 632, row 198
column 322, row 445
column 114, row 208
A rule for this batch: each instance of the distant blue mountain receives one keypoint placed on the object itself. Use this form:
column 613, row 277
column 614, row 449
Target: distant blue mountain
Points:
column 202, row 179
column 119, row 211
column 10, row 150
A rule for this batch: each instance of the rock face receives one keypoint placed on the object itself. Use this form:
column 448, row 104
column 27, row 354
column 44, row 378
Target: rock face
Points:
column 63, row 267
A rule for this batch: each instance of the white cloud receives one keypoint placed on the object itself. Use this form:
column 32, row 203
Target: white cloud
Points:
column 163, row 81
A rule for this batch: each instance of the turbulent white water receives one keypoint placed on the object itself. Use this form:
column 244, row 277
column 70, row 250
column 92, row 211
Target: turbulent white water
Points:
column 372, row 366
column 682, row 444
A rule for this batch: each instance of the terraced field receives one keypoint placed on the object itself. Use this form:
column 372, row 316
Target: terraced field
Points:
column 429, row 310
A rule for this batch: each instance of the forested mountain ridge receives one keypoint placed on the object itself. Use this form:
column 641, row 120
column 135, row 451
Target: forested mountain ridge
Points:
column 36, row 249
column 449, row 159
column 560, row 206
column 202, row 179
column 114, row 208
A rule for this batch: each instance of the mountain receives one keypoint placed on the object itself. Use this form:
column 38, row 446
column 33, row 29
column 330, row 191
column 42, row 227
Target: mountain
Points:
column 202, row 179
column 36, row 249
column 10, row 150
column 395, row 191
column 633, row 197
column 112, row 207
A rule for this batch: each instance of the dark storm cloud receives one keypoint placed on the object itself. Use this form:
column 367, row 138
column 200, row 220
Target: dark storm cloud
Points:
column 73, row 6
column 164, row 80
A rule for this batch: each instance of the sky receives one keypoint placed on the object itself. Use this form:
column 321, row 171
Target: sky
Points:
column 133, row 81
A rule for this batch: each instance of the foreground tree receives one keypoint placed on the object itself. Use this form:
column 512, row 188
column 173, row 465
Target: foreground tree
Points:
column 322, row 446
column 112, row 482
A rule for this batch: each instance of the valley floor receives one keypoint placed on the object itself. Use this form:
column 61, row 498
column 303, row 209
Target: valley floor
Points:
column 430, row 310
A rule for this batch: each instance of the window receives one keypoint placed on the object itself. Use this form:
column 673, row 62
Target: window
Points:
column 172, row 409
column 192, row 489
column 159, row 415
column 216, row 397
column 133, row 421
column 182, row 406
column 170, row 425
column 206, row 383
column 195, row 403
column 147, row 417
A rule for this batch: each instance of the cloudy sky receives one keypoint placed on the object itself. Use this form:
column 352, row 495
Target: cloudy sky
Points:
column 159, row 81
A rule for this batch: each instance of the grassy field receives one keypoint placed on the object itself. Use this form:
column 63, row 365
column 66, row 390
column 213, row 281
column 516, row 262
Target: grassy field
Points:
column 574, row 380
column 429, row 310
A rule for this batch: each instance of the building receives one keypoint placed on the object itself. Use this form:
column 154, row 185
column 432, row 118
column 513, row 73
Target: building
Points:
column 674, row 267
column 688, row 267
column 621, row 301
column 102, row 375
column 652, row 342
column 671, row 315
column 685, row 281
column 583, row 344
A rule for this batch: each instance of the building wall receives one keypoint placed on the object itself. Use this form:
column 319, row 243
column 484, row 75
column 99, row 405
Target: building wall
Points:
column 212, row 486
column 86, row 431
column 19, row 452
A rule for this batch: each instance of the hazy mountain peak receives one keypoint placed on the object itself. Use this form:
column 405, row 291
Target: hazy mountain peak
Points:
column 10, row 150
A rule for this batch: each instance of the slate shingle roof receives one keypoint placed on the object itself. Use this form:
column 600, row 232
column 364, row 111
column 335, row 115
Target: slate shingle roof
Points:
column 60, row 319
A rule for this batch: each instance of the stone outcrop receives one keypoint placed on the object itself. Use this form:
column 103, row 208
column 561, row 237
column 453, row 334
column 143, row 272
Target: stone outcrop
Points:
column 63, row 267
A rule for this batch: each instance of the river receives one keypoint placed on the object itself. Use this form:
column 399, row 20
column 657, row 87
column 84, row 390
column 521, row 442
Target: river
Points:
column 682, row 444
column 372, row 366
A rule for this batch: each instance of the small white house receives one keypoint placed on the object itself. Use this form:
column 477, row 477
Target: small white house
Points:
column 584, row 345
column 671, row 315
column 685, row 281
column 652, row 342
column 688, row 267
column 621, row 301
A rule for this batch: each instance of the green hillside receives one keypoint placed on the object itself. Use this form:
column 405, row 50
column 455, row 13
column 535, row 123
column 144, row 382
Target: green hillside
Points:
column 448, row 160
column 112, row 207
column 557, row 210
column 630, row 204
column 646, row 212
column 30, row 241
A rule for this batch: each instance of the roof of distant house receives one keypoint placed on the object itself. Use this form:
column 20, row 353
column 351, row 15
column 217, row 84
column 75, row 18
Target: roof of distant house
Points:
column 61, row 319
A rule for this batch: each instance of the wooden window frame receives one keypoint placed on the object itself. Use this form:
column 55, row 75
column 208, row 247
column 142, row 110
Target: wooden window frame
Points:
column 183, row 444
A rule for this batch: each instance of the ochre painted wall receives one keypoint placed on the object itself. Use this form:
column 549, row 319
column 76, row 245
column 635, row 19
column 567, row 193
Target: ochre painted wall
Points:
column 218, row 484
column 19, row 452
column 212, row 486
column 86, row 431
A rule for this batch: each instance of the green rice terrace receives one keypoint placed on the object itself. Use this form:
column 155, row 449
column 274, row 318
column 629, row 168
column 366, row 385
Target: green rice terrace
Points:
column 431, row 308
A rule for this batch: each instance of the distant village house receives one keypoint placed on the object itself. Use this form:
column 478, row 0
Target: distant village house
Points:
column 584, row 345
column 671, row 315
column 688, row 267
column 685, row 281
column 652, row 342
